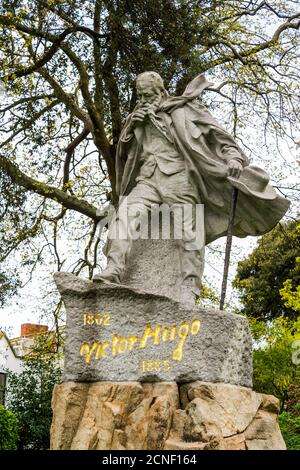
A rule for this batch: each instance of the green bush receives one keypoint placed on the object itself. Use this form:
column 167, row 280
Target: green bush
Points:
column 290, row 428
column 29, row 397
column 274, row 371
column 8, row 430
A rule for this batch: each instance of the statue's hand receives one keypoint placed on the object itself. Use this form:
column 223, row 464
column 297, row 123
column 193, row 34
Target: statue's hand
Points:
column 234, row 168
column 138, row 116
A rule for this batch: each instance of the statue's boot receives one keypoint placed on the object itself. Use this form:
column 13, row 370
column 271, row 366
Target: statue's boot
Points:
column 116, row 251
column 109, row 274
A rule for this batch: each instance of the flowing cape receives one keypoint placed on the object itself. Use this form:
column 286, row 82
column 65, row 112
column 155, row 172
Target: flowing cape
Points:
column 207, row 149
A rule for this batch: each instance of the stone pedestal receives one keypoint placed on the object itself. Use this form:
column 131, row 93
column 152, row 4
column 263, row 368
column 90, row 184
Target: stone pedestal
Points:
column 163, row 416
column 153, row 264
column 159, row 274
column 144, row 372
column 118, row 333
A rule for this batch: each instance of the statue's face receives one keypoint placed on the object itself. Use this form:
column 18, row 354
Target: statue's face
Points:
column 147, row 92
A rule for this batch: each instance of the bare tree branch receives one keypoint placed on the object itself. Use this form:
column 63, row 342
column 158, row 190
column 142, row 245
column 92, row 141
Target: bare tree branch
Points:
column 47, row 191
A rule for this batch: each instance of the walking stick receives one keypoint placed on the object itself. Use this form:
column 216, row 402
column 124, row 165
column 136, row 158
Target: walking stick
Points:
column 234, row 197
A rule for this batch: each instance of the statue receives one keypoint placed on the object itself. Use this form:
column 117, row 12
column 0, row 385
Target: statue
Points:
column 172, row 151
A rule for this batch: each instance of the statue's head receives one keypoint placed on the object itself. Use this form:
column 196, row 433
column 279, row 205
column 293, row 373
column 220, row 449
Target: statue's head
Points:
column 150, row 88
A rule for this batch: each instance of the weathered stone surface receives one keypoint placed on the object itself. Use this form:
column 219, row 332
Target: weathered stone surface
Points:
column 225, row 410
column 159, row 274
column 137, row 416
column 68, row 403
column 264, row 431
column 217, row 350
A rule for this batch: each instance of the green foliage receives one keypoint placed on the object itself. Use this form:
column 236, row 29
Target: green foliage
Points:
column 274, row 369
column 293, row 402
column 29, row 397
column 8, row 430
column 290, row 428
column 9, row 284
column 268, row 280
column 291, row 297
column 207, row 293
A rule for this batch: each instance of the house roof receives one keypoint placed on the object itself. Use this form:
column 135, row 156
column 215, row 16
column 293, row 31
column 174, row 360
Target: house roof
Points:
column 3, row 335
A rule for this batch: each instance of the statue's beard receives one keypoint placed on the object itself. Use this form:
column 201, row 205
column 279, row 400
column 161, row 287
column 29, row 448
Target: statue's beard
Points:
column 151, row 107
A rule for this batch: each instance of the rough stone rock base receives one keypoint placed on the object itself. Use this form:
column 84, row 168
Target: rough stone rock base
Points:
column 163, row 415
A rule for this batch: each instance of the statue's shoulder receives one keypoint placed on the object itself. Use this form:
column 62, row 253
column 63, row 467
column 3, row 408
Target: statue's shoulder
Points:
column 194, row 109
column 196, row 104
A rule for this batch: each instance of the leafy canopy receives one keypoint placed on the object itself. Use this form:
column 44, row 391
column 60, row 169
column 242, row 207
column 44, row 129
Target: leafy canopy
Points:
column 8, row 430
column 268, row 279
column 276, row 367
column 29, row 398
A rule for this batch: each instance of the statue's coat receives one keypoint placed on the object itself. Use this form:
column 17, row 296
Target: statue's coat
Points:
column 206, row 148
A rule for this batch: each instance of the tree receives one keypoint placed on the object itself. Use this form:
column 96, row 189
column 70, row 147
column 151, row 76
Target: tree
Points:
column 9, row 285
column 290, row 296
column 269, row 277
column 289, row 420
column 29, row 398
column 69, row 67
column 274, row 370
column 8, row 430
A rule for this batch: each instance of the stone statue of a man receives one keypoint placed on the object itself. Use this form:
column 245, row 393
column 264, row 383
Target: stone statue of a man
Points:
column 171, row 150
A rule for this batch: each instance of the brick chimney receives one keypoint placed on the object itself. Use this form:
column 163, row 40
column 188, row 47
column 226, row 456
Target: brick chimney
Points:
column 29, row 329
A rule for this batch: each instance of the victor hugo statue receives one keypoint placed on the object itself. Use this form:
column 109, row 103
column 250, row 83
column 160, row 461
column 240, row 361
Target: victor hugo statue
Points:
column 172, row 151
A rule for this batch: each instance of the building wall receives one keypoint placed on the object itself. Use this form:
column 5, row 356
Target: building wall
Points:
column 8, row 362
column 8, row 359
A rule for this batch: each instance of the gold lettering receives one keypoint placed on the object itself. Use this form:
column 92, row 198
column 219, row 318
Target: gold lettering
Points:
column 195, row 327
column 98, row 319
column 88, row 319
column 183, row 332
column 149, row 365
column 172, row 334
column 105, row 345
column 99, row 351
column 106, row 319
column 148, row 333
column 115, row 341
column 122, row 345
column 132, row 340
column 119, row 345
column 89, row 351
column 164, row 335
